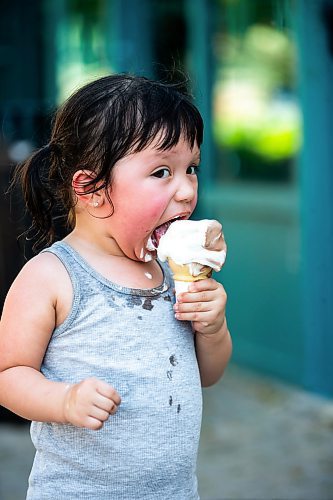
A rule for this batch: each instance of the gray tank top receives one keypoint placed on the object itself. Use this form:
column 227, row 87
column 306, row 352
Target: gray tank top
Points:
column 130, row 339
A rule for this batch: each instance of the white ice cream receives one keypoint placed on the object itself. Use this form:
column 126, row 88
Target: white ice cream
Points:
column 197, row 243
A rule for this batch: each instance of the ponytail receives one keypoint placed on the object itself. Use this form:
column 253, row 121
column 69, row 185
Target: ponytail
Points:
column 39, row 194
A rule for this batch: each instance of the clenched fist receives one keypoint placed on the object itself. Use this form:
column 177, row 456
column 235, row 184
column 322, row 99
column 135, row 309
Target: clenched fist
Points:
column 89, row 403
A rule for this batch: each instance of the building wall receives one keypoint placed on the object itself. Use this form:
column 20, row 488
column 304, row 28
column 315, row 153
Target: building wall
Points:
column 276, row 213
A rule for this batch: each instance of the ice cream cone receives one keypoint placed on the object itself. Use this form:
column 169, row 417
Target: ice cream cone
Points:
column 183, row 277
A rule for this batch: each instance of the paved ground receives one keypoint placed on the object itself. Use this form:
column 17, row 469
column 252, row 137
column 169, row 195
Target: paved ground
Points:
column 261, row 440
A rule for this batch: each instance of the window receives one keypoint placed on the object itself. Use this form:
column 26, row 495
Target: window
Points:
column 256, row 116
column 82, row 44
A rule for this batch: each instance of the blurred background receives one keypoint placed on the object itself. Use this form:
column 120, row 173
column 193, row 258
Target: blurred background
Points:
column 261, row 73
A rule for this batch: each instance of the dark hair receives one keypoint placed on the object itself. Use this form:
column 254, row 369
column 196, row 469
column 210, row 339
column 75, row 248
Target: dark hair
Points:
column 98, row 125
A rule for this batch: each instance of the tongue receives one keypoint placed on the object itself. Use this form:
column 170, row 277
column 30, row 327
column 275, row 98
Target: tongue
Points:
column 159, row 232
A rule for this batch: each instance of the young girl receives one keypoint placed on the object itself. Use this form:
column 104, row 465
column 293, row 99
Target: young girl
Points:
column 93, row 350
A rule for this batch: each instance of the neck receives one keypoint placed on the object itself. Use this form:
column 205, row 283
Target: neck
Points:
column 105, row 256
column 88, row 240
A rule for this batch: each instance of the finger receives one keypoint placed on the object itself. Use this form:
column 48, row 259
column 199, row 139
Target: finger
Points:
column 105, row 403
column 208, row 286
column 99, row 414
column 218, row 295
column 201, row 317
column 200, row 306
column 202, row 285
column 206, row 296
column 113, row 409
column 93, row 423
column 108, row 391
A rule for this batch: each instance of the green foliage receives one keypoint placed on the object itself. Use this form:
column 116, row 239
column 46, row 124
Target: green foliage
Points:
column 255, row 107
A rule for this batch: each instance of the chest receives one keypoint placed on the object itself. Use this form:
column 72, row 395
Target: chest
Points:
column 125, row 273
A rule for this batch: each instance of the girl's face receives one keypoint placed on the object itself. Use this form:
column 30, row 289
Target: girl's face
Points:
column 149, row 189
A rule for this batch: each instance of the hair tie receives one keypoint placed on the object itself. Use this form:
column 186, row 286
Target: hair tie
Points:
column 54, row 147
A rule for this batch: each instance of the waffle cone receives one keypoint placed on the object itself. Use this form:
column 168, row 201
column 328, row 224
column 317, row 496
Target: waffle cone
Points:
column 181, row 272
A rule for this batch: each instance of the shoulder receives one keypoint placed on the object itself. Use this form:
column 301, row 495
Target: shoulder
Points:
column 44, row 267
column 30, row 311
column 41, row 293
column 41, row 279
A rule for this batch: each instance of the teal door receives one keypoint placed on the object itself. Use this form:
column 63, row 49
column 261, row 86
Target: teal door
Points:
column 269, row 105
column 251, row 183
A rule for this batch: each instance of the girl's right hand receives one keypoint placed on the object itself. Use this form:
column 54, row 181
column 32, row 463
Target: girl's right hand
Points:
column 90, row 403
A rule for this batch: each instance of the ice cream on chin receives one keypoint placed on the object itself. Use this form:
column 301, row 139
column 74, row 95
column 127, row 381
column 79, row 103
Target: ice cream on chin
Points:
column 193, row 250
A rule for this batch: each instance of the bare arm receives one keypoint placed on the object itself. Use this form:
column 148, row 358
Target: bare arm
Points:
column 204, row 305
column 213, row 354
column 26, row 392
column 30, row 314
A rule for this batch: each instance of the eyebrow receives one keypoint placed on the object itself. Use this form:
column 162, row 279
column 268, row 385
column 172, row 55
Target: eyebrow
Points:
column 165, row 154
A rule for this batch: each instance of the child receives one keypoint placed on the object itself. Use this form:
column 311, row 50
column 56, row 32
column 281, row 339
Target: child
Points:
column 93, row 350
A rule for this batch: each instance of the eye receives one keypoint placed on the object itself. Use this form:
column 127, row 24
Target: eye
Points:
column 193, row 170
column 162, row 173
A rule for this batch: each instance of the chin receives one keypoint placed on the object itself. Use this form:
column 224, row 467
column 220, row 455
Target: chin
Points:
column 143, row 255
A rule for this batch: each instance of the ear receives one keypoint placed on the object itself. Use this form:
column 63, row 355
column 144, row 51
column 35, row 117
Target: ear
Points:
column 82, row 187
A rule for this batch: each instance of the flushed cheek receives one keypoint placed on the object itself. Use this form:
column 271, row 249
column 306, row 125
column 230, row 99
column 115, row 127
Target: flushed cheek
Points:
column 146, row 220
column 155, row 210
column 135, row 229
column 149, row 211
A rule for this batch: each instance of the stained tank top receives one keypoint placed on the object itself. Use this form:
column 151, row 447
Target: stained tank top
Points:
column 130, row 339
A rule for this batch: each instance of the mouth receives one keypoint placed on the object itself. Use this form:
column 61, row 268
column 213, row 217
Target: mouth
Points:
column 159, row 231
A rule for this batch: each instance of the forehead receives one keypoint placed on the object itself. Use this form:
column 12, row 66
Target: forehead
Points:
column 152, row 154
column 176, row 151
column 182, row 147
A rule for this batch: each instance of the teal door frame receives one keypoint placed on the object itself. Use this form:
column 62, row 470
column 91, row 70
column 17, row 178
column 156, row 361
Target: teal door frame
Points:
column 131, row 48
column 200, row 66
column 316, row 69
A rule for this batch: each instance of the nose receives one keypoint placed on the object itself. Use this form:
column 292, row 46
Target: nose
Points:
column 186, row 189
